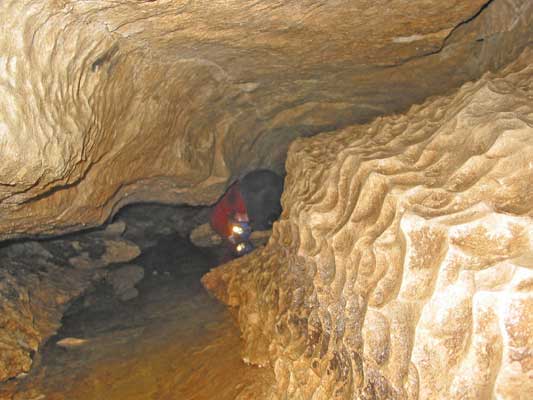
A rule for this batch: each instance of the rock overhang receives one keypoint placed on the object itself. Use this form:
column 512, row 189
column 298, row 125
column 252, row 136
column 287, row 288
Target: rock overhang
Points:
column 105, row 105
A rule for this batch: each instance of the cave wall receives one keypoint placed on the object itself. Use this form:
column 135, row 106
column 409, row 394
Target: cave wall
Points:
column 105, row 104
column 401, row 267
column 40, row 280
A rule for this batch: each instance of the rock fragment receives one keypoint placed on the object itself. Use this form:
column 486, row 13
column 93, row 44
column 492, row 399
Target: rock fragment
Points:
column 124, row 280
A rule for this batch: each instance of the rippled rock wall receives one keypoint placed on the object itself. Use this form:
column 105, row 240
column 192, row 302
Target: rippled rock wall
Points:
column 105, row 104
column 401, row 267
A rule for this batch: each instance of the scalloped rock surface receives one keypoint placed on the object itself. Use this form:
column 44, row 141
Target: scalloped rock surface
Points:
column 104, row 103
column 402, row 266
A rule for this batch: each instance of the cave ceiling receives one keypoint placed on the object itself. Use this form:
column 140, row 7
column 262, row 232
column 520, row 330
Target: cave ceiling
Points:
column 104, row 104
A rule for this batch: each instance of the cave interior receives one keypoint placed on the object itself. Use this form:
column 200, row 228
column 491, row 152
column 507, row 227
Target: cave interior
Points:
column 400, row 267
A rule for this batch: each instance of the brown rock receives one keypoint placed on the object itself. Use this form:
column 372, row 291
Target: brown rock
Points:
column 106, row 106
column 71, row 342
column 124, row 279
column 35, row 289
column 204, row 236
column 400, row 267
column 418, row 225
column 38, row 281
column 119, row 251
column 115, row 230
column 116, row 251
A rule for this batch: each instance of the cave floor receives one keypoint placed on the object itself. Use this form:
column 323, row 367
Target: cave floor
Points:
column 173, row 341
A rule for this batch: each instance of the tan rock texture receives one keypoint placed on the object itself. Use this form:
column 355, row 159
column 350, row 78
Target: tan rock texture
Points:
column 108, row 103
column 34, row 292
column 38, row 282
column 402, row 266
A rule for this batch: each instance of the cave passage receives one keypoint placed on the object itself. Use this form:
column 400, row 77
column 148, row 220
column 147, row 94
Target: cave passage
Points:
column 146, row 328
column 401, row 266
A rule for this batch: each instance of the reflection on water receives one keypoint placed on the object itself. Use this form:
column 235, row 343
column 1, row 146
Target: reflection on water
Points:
column 173, row 341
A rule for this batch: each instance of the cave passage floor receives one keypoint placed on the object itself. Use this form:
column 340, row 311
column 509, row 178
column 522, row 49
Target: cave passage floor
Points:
column 173, row 341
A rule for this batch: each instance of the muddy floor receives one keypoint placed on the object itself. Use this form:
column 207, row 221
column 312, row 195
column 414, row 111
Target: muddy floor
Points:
column 171, row 341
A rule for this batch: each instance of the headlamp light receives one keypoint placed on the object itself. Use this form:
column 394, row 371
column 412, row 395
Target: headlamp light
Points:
column 237, row 229
column 243, row 248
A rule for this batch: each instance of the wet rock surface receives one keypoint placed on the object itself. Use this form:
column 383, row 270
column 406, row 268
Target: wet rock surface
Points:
column 40, row 279
column 37, row 282
column 401, row 267
column 172, row 340
column 124, row 280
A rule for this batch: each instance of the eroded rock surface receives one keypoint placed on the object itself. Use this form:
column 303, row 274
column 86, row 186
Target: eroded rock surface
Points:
column 124, row 280
column 402, row 266
column 171, row 342
column 105, row 104
column 34, row 291
column 39, row 279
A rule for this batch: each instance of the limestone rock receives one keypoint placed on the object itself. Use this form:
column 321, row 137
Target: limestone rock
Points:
column 119, row 251
column 71, row 342
column 165, row 101
column 35, row 287
column 148, row 223
column 124, row 279
column 39, row 279
column 103, row 106
column 401, row 267
column 205, row 236
column 128, row 294
column 115, row 229
column 116, row 251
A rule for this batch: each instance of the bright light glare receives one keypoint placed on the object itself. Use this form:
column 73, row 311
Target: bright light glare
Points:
column 237, row 229
column 241, row 247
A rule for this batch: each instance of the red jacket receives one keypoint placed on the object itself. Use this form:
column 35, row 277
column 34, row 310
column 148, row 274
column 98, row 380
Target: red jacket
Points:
column 230, row 204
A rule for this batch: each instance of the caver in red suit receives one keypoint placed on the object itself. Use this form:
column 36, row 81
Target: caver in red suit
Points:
column 252, row 203
column 230, row 207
